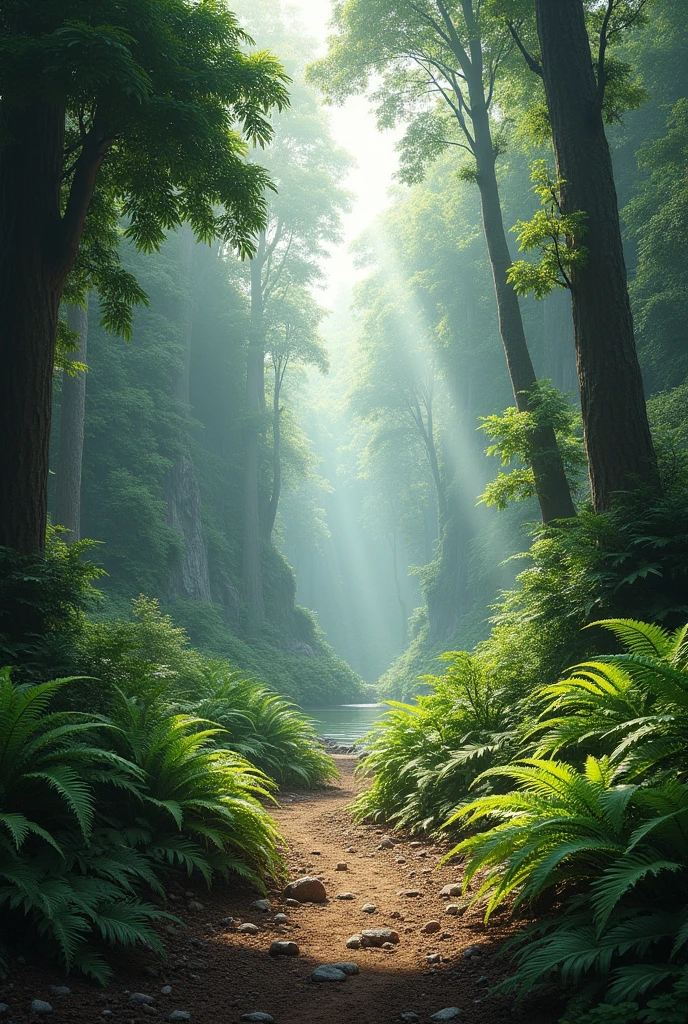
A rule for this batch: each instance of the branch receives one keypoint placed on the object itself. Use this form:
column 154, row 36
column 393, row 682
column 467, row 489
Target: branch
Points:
column 96, row 145
column 602, row 53
column 532, row 63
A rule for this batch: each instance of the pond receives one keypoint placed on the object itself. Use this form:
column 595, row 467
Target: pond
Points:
column 346, row 723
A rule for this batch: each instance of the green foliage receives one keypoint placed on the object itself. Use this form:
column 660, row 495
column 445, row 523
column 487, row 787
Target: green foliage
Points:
column 514, row 435
column 421, row 758
column 554, row 234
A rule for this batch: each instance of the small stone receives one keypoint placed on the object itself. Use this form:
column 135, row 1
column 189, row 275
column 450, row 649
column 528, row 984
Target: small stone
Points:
column 106, row 1013
column 306, row 890
column 345, row 896
column 400, row 860
column 60, row 991
column 354, row 942
column 368, row 908
column 452, row 890
column 198, row 943
column 342, row 866
column 389, row 947
column 281, row 919
column 226, row 921
column 409, row 894
column 263, row 905
column 150, row 1010
column 350, row 849
column 451, row 1013
column 194, row 906
column 141, row 998
column 152, row 972
column 472, row 951
column 433, row 958
column 166, row 990
column 4, row 1007
column 258, row 1018
column 483, row 982
column 386, row 844
column 431, row 927
column 415, row 845
column 396, row 916
column 409, row 1018
column 284, row 949
column 327, row 973
column 178, row 1015
column 376, row 936
column 347, row 967
column 315, row 853
column 453, row 909
column 293, row 903
column 39, row 1006
column 248, row 929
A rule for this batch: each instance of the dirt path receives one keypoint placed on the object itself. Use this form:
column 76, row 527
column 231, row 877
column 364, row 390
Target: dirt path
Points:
column 217, row 974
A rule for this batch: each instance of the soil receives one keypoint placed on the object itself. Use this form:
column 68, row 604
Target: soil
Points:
column 217, row 974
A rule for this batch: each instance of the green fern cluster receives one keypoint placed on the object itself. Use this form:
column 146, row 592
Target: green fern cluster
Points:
column 94, row 808
column 422, row 757
column 604, row 837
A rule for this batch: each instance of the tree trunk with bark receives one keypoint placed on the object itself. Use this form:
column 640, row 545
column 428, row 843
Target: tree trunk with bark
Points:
column 255, row 410
column 72, row 416
column 190, row 578
column 38, row 248
column 551, row 485
column 616, row 431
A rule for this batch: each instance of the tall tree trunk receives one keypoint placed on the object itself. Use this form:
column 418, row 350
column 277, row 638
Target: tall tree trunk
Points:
column 273, row 504
column 31, row 280
column 616, row 431
column 255, row 408
column 190, row 578
column 72, row 414
column 551, row 485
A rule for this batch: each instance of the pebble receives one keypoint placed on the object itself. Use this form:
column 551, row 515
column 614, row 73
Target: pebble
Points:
column 368, row 908
column 315, row 853
column 347, row 967
column 433, row 958
column 152, row 972
column 306, row 890
column 415, row 845
column 400, row 860
column 354, row 942
column 395, row 915
column 345, row 896
column 328, row 973
column 342, row 866
column 409, row 893
column 60, row 990
column 472, row 951
column 141, row 998
column 293, row 903
column 388, row 946
column 376, row 936
column 386, row 844
column 194, row 906
column 431, row 927
column 409, row 1018
column 263, row 905
column 452, row 890
column 178, row 1015
column 454, row 909
column 451, row 1013
column 166, row 990
column 4, row 1007
column 483, row 982
column 248, row 929
column 281, row 919
column 39, row 1006
column 258, row 1018
column 350, row 849
column 284, row 949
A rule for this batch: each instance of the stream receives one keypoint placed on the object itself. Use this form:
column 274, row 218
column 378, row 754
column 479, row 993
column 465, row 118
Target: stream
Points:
column 346, row 723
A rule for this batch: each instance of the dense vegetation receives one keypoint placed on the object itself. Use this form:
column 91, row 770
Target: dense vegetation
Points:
column 483, row 451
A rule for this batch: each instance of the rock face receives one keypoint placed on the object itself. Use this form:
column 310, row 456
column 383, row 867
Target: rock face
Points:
column 377, row 936
column 284, row 949
column 306, row 890
column 451, row 1013
column 328, row 973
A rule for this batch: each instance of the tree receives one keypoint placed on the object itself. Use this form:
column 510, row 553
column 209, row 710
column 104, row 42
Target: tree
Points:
column 156, row 99
column 72, row 413
column 425, row 50
column 617, row 436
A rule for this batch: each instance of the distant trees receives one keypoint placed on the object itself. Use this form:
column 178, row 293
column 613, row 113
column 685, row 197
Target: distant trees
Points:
column 446, row 52
column 150, row 101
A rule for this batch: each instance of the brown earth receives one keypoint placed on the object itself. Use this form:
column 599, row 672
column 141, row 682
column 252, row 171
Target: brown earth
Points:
column 217, row 974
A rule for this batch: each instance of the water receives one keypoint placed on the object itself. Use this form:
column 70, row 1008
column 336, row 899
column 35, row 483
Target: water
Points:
column 346, row 723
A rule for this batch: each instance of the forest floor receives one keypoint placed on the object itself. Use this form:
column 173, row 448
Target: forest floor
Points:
column 216, row 974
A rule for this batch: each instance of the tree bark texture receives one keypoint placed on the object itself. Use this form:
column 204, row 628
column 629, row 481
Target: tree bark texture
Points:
column 72, row 415
column 551, row 485
column 616, row 431
column 190, row 578
column 255, row 409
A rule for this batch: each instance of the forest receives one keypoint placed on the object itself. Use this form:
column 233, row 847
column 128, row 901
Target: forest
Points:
column 265, row 453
